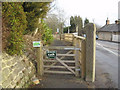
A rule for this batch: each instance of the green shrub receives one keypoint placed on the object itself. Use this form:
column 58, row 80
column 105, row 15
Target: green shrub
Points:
column 22, row 18
column 34, row 11
column 16, row 20
column 46, row 33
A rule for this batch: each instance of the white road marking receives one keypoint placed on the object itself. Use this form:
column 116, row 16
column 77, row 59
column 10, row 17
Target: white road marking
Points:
column 108, row 49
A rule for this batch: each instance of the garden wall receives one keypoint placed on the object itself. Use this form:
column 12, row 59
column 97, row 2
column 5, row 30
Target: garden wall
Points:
column 17, row 71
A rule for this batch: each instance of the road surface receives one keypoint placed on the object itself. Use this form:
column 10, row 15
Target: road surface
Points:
column 107, row 54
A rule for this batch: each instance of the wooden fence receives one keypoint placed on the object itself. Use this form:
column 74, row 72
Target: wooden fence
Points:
column 67, row 37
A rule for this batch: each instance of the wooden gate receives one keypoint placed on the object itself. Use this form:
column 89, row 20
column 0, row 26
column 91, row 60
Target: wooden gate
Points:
column 83, row 51
column 61, row 63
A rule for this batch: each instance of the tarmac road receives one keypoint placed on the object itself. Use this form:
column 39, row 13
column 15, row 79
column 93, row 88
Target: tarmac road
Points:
column 107, row 54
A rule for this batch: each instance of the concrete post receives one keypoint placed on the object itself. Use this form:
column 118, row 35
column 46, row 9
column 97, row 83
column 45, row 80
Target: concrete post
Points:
column 90, row 51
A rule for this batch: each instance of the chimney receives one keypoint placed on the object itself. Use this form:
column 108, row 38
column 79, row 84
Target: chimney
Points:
column 116, row 22
column 107, row 21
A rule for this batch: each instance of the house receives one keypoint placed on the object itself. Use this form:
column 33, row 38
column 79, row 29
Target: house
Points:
column 110, row 32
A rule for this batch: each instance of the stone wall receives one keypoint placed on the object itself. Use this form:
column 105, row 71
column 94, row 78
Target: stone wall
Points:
column 109, row 36
column 105, row 36
column 17, row 71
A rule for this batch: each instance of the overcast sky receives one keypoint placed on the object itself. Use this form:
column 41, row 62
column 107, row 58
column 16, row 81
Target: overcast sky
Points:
column 96, row 11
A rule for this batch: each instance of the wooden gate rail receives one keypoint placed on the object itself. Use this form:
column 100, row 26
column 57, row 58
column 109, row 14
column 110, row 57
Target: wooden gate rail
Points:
column 62, row 47
column 57, row 67
column 65, row 61
column 58, row 72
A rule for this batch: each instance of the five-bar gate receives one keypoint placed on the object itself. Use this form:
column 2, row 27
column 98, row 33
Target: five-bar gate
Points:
column 61, row 60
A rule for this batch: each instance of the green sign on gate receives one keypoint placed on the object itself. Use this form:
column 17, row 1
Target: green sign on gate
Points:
column 51, row 54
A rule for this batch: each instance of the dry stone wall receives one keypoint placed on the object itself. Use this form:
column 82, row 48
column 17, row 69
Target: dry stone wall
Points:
column 17, row 71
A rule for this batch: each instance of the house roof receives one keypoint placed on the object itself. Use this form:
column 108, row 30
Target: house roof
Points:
column 110, row 28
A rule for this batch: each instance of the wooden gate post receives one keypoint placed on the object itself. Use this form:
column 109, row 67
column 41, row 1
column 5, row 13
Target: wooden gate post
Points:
column 90, row 51
column 83, row 58
column 77, row 68
column 40, row 60
column 73, row 39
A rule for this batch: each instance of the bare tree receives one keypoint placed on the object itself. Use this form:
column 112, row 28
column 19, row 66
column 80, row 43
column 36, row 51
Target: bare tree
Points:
column 52, row 22
column 61, row 19
column 56, row 18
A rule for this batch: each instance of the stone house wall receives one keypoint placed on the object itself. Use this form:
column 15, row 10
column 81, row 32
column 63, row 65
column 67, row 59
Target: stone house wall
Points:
column 109, row 36
column 105, row 36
